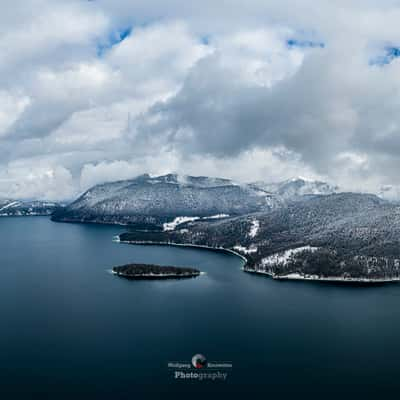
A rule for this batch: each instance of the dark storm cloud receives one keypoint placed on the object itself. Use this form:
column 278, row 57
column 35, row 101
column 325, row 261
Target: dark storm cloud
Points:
column 214, row 113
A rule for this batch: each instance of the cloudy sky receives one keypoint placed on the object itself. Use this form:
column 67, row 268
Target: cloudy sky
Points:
column 93, row 91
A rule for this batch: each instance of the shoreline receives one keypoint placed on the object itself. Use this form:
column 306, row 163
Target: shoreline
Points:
column 290, row 277
column 67, row 221
column 298, row 277
column 150, row 243
column 24, row 215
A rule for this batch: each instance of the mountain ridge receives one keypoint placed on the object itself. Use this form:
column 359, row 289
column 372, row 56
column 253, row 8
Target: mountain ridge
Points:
column 13, row 207
column 294, row 188
column 159, row 199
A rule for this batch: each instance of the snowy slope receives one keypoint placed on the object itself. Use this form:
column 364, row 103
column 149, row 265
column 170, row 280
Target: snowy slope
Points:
column 294, row 188
column 163, row 198
column 20, row 208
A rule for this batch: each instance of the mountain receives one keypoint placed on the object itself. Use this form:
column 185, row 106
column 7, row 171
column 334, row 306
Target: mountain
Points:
column 296, row 229
column 332, row 220
column 154, row 201
column 20, row 207
column 293, row 189
column 343, row 235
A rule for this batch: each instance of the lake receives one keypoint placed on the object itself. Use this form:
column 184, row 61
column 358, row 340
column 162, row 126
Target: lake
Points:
column 70, row 329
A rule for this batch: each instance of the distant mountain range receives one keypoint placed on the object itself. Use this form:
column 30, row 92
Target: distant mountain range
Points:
column 21, row 208
column 296, row 188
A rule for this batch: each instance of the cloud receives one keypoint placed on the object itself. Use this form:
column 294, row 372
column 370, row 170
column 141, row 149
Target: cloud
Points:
column 104, row 90
column 319, row 108
column 11, row 107
column 36, row 180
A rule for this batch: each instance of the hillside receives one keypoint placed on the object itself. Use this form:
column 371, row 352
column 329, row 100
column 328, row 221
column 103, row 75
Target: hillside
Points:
column 153, row 201
column 296, row 188
column 337, row 235
column 25, row 208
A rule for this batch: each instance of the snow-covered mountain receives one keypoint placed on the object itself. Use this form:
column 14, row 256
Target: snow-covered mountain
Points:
column 10, row 207
column 341, row 235
column 293, row 189
column 156, row 200
column 296, row 228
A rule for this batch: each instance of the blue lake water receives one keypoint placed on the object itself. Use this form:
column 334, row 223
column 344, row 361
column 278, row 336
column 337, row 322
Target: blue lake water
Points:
column 70, row 329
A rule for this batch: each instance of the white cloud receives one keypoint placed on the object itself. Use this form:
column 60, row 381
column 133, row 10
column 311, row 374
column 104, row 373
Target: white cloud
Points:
column 36, row 181
column 156, row 57
column 260, row 56
column 208, row 88
column 107, row 172
column 47, row 32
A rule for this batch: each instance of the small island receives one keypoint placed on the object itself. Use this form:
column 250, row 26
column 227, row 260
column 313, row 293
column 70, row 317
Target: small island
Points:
column 150, row 271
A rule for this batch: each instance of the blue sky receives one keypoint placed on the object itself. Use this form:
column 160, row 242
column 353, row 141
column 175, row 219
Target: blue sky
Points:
column 389, row 53
column 113, row 39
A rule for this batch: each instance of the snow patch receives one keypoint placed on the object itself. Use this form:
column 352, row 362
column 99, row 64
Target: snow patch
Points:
column 217, row 216
column 246, row 250
column 285, row 256
column 255, row 226
column 12, row 204
column 170, row 226
column 293, row 275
